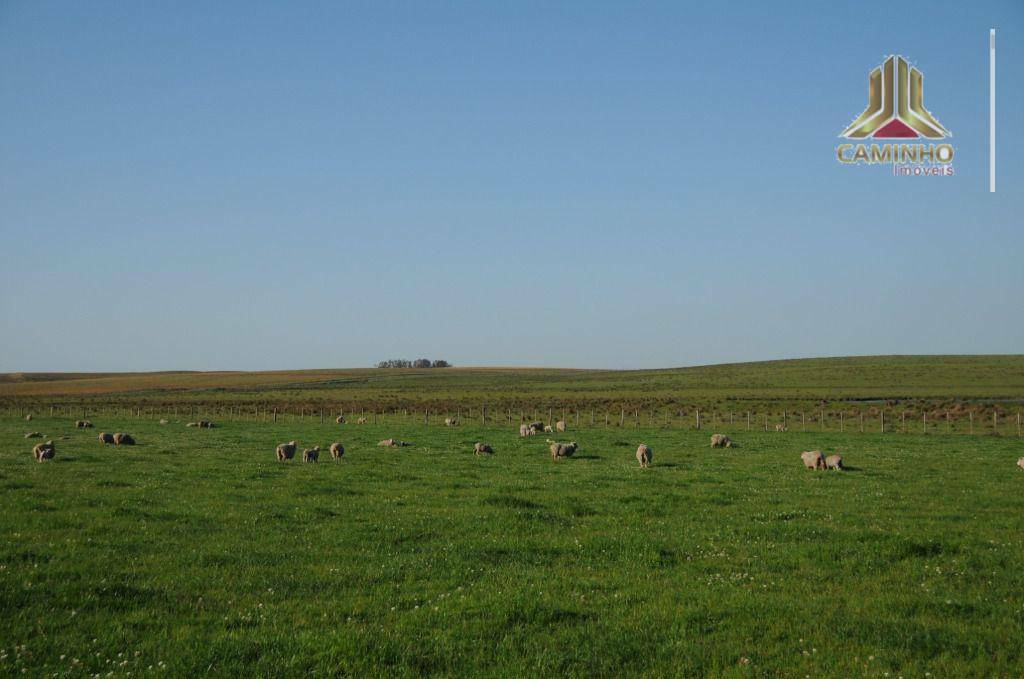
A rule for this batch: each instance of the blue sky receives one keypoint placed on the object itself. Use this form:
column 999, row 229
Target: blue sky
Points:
column 259, row 186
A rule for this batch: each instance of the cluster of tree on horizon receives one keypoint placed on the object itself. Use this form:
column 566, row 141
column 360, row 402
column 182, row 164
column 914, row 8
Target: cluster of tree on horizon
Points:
column 418, row 363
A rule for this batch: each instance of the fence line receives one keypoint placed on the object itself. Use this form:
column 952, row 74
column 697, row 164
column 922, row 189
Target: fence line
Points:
column 886, row 420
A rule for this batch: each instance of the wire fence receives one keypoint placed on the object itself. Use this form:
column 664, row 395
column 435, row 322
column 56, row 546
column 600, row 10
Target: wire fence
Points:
column 878, row 420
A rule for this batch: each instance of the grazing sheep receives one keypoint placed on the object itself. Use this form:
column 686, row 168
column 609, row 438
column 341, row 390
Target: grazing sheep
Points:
column 340, row 419
column 121, row 439
column 560, row 425
column 451, row 422
column 311, row 454
column 163, row 421
column 813, row 459
column 337, row 450
column 720, row 441
column 361, row 420
column 392, row 443
column 537, row 427
column 644, row 456
column 285, row 451
column 548, row 429
column 83, row 424
column 28, row 418
column 106, row 438
column 780, row 427
column 834, row 462
column 1020, row 463
column 481, row 448
column 192, row 424
column 33, row 435
column 526, row 430
column 562, row 449
column 44, row 451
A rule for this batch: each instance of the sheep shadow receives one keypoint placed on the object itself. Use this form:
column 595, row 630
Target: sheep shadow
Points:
column 586, row 457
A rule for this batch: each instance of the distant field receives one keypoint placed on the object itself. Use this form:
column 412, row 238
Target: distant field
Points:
column 914, row 383
column 195, row 552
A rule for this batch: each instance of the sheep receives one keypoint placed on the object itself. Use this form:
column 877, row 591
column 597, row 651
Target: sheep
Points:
column 361, row 420
column 813, row 459
column 192, row 424
column 780, row 427
column 28, row 418
column 644, row 455
column 560, row 425
column 83, row 424
column 392, row 443
column 481, row 448
column 206, row 424
column 285, row 451
column 311, row 454
column 562, row 449
column 340, row 419
column 526, row 430
column 548, row 429
column 451, row 422
column 106, row 438
column 122, row 439
column 537, row 427
column 1020, row 463
column 44, row 451
column 834, row 462
column 34, row 435
column 337, row 450
column 720, row 441
column 163, row 422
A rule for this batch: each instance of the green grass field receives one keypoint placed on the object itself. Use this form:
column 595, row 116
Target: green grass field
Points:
column 197, row 552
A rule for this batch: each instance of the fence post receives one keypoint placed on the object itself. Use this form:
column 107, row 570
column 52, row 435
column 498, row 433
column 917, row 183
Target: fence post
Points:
column 748, row 420
column 841, row 417
column 972, row 421
column 882, row 419
column 803, row 421
column 925, row 423
column 698, row 418
column 995, row 425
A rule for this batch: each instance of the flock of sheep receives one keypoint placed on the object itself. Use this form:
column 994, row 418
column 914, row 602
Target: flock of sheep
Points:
column 812, row 459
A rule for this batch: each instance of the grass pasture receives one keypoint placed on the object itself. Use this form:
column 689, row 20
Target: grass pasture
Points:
column 197, row 552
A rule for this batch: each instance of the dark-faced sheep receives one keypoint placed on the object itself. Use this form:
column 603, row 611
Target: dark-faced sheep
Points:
column 720, row 441
column 451, row 422
column 560, row 425
column 286, row 451
column 311, row 454
column 537, row 427
column 361, row 420
column 340, row 419
column 526, row 430
column 813, row 459
column 559, row 450
column 392, row 443
column 780, row 427
column 482, row 449
column 337, row 450
column 834, row 462
column 644, row 455
column 122, row 439
column 44, row 451
column 106, row 438
column 83, row 424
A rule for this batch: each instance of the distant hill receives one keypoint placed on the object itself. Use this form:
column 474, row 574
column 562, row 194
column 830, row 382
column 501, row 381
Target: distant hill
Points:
column 801, row 382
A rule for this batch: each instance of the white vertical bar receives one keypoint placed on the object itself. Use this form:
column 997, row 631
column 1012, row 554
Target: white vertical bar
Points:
column 992, row 111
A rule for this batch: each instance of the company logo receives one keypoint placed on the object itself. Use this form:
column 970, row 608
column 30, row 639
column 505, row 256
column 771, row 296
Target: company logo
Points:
column 896, row 111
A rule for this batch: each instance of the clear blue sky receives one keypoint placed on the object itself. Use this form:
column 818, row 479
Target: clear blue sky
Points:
column 258, row 185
